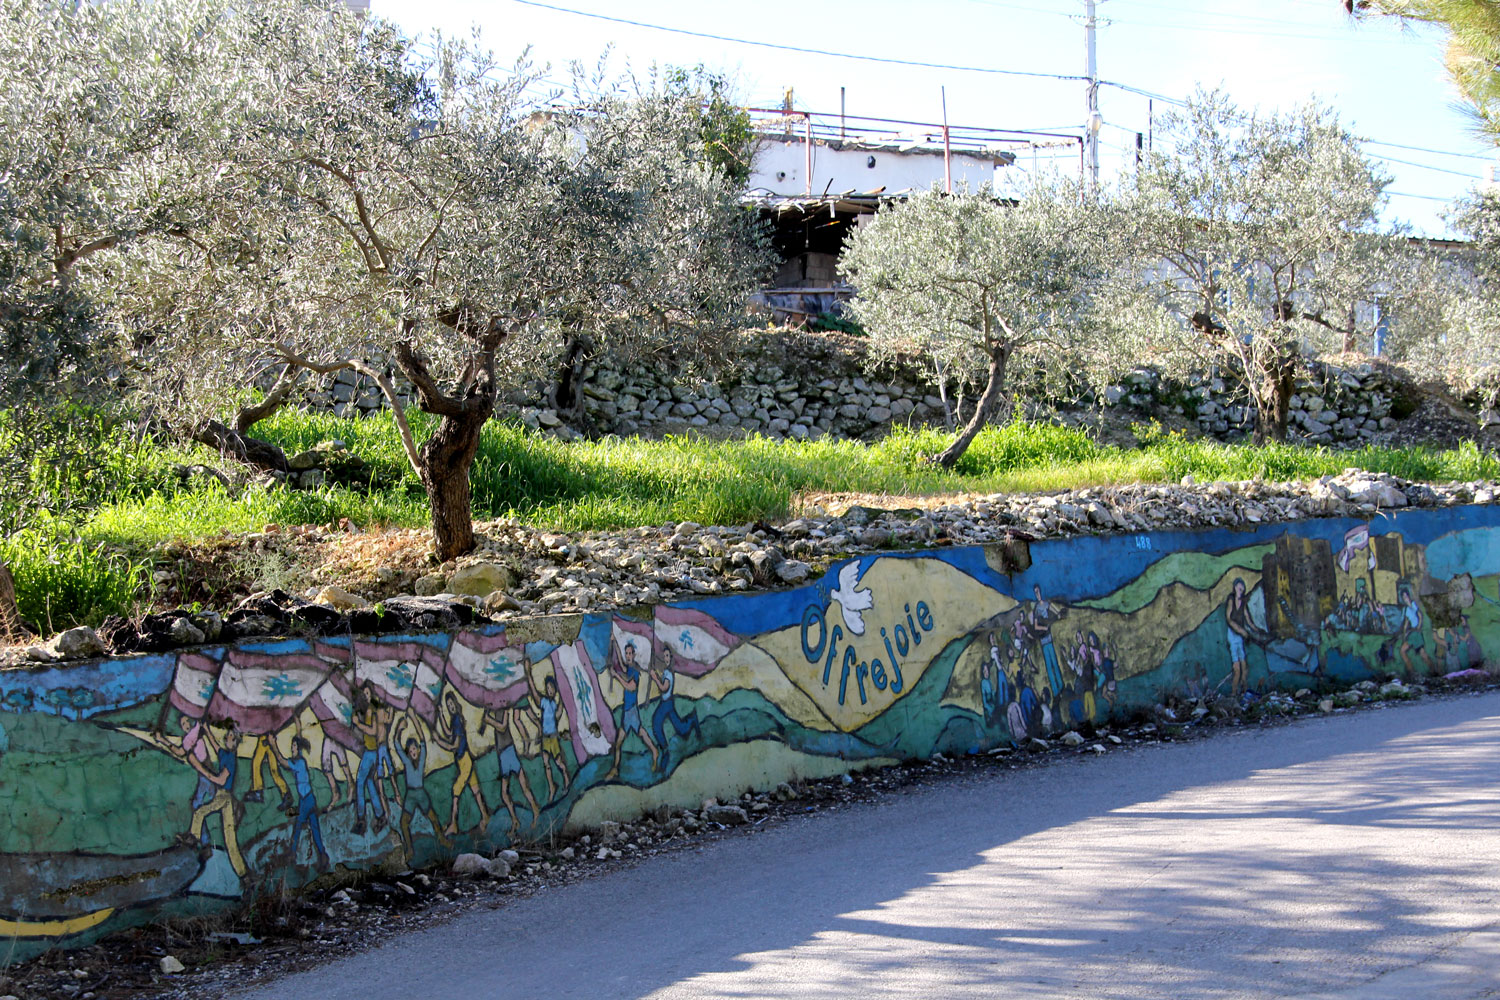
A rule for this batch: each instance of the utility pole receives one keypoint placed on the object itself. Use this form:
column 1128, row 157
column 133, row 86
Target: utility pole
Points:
column 1091, row 70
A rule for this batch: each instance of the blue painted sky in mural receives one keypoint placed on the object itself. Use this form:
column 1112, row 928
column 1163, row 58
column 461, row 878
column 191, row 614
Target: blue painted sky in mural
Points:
column 1093, row 566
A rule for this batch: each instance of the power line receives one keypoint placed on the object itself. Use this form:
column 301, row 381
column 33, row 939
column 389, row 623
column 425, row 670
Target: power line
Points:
column 1177, row 101
column 797, row 48
column 1209, row 13
column 1423, row 197
column 1140, row 91
column 1424, row 166
column 1032, row 10
column 1424, row 149
column 1231, row 30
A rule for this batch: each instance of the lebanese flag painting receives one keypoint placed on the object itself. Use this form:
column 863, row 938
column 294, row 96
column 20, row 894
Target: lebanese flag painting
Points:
column 696, row 640
column 334, row 709
column 390, row 668
column 194, row 682
column 262, row 691
column 487, row 670
column 592, row 725
column 639, row 635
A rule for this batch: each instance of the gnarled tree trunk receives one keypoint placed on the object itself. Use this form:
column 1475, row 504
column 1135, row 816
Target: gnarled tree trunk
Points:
column 240, row 446
column 236, row 442
column 567, row 386
column 1273, row 403
column 447, row 457
column 444, row 461
column 988, row 401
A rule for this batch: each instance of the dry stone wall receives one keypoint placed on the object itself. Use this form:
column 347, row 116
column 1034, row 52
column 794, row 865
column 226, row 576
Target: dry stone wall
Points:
column 798, row 385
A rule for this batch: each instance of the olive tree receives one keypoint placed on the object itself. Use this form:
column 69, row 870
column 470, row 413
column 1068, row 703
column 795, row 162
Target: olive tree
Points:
column 101, row 105
column 404, row 211
column 1255, row 237
column 982, row 285
column 1445, row 308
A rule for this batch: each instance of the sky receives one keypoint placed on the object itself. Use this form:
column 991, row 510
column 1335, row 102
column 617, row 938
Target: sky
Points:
column 1386, row 81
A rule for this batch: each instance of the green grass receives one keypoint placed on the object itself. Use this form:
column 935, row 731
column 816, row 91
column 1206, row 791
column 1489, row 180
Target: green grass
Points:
column 624, row 483
column 66, row 572
column 63, row 580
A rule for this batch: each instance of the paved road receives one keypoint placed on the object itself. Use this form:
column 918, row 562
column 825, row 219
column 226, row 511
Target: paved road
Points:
column 1348, row 857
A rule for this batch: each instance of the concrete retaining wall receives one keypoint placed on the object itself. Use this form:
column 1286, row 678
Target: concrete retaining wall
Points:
column 116, row 808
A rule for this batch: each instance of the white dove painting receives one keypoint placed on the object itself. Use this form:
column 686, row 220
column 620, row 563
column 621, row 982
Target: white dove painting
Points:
column 852, row 599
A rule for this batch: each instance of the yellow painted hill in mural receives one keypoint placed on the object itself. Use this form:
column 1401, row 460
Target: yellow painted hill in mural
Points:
column 861, row 652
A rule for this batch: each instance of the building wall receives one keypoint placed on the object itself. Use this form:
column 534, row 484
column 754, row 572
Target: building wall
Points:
column 781, row 168
column 105, row 823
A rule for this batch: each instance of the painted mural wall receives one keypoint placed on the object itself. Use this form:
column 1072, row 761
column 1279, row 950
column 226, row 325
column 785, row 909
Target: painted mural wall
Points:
column 144, row 786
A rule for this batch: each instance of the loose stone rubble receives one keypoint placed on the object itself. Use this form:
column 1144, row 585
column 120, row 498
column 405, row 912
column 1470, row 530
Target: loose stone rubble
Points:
column 588, row 572
column 544, row 572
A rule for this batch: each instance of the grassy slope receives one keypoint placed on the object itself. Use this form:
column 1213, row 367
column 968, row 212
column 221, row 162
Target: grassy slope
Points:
column 87, row 566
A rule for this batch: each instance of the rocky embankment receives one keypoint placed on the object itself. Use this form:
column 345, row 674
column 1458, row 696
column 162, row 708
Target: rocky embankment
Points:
column 366, row 583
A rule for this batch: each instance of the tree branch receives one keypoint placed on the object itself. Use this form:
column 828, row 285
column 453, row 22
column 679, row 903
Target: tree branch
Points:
column 293, row 358
column 352, row 182
column 398, row 409
column 431, row 395
column 249, row 416
column 67, row 258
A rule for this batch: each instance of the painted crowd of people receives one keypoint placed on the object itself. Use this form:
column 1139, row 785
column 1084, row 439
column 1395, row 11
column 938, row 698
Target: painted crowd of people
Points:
column 1032, row 681
column 387, row 777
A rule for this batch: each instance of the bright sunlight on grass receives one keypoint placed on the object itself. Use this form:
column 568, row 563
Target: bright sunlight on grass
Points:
column 78, row 569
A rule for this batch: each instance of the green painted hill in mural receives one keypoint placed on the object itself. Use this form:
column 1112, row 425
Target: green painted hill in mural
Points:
column 1191, row 569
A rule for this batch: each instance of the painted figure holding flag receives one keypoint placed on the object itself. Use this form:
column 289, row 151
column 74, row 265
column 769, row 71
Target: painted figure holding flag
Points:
column 412, row 746
column 510, row 764
column 552, row 752
column 221, row 802
column 454, row 737
column 629, row 674
column 307, row 803
column 367, row 780
column 666, row 709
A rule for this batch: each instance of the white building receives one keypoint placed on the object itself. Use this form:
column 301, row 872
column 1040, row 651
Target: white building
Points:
column 815, row 177
column 790, row 166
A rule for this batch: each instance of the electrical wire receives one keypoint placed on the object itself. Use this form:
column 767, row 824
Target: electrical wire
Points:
column 1424, row 166
column 1423, row 149
column 1228, row 30
column 1175, row 101
column 797, row 48
column 1422, row 197
column 1139, row 91
column 1033, row 10
column 1133, row 4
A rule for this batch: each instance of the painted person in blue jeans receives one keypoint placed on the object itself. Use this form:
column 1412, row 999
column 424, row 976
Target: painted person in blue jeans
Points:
column 666, row 710
column 413, row 751
column 367, row 722
column 307, row 803
column 629, row 673
column 1043, row 614
column 1237, row 615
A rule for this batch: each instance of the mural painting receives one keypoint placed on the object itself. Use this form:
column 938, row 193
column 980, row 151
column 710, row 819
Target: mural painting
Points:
column 145, row 786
